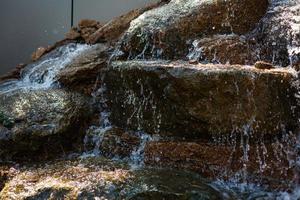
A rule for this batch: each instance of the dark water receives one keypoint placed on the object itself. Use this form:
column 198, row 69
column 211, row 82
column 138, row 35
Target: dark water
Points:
column 26, row 25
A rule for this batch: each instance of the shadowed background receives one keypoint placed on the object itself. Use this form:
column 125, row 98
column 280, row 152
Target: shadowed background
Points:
column 26, row 25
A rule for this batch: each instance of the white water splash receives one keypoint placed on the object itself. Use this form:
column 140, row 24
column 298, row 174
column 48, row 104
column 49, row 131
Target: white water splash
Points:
column 42, row 74
column 136, row 159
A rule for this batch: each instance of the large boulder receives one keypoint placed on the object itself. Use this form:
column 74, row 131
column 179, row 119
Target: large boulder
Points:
column 164, row 31
column 82, row 72
column 40, row 123
column 200, row 101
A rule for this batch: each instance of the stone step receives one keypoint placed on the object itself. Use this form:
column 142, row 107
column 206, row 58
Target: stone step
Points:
column 201, row 101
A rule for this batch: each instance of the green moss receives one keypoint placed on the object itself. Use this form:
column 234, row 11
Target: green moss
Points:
column 5, row 120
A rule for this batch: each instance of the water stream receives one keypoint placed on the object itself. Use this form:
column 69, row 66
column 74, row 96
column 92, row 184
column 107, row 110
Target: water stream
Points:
column 42, row 74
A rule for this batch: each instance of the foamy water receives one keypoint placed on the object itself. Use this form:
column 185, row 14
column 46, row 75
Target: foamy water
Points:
column 42, row 74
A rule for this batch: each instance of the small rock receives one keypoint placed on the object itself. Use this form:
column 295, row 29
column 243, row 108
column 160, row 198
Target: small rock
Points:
column 73, row 34
column 88, row 23
column 38, row 53
column 263, row 65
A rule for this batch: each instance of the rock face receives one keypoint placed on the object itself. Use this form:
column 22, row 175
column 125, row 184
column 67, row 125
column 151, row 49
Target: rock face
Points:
column 82, row 72
column 164, row 31
column 232, row 49
column 99, row 178
column 276, row 39
column 112, row 30
column 200, row 101
column 85, row 29
column 229, row 158
column 112, row 142
column 219, row 120
column 43, row 122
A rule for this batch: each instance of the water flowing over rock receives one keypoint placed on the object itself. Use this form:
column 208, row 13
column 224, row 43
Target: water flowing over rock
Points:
column 277, row 37
column 43, row 73
column 232, row 49
column 227, row 109
column 164, row 31
column 39, row 118
column 200, row 101
column 112, row 30
column 82, row 72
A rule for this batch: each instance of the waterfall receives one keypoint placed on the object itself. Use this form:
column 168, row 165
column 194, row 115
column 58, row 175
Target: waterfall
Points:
column 42, row 74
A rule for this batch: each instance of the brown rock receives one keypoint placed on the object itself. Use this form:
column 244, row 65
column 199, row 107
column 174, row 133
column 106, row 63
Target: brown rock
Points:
column 163, row 31
column 179, row 99
column 38, row 53
column 263, row 65
column 296, row 67
column 112, row 30
column 82, row 73
column 231, row 49
column 14, row 74
column 117, row 142
column 73, row 34
column 42, row 50
column 263, row 162
column 89, row 23
column 276, row 38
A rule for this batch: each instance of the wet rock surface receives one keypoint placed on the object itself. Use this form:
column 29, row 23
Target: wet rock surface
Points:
column 225, row 160
column 200, row 101
column 42, row 122
column 112, row 143
column 82, row 72
column 231, row 49
column 114, row 29
column 100, row 178
column 276, row 38
column 224, row 121
column 164, row 31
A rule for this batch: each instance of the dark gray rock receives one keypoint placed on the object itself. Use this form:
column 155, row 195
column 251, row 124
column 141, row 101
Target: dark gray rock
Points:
column 44, row 122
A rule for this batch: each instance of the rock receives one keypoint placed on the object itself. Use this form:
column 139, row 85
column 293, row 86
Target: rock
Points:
column 188, row 101
column 226, row 160
column 38, row 53
column 263, row 65
column 112, row 30
column 42, row 50
column 115, row 143
column 85, row 28
column 82, row 72
column 14, row 74
column 44, row 123
column 163, row 32
column 102, row 179
column 73, row 34
column 276, row 38
column 88, row 23
column 222, row 49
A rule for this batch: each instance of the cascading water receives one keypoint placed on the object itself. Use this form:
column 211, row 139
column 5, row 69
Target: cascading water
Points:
column 42, row 74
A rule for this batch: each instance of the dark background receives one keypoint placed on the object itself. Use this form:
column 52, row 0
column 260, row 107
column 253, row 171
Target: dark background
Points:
column 29, row 24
